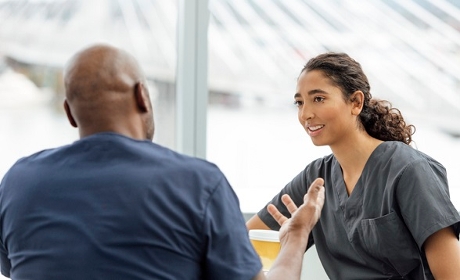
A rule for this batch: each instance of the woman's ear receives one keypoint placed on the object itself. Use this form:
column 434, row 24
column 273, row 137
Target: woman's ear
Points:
column 357, row 102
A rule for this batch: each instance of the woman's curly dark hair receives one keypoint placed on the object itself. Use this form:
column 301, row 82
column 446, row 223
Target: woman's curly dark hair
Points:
column 378, row 117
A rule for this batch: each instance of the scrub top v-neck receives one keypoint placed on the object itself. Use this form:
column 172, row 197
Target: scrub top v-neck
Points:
column 377, row 231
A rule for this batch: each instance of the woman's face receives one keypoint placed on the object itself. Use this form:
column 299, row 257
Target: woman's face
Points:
column 323, row 112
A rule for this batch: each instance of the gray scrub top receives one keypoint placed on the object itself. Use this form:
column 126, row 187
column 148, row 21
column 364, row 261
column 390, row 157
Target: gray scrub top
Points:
column 377, row 232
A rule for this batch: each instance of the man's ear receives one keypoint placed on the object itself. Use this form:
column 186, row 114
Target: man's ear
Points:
column 69, row 114
column 141, row 96
column 357, row 102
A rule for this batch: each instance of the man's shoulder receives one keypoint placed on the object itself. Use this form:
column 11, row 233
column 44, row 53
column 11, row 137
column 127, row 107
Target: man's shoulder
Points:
column 40, row 155
column 169, row 159
column 186, row 163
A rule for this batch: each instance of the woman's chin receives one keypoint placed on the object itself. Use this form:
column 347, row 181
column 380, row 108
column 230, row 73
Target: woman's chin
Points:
column 318, row 143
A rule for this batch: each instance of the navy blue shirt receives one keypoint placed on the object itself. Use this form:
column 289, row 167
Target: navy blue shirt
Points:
column 378, row 231
column 110, row 207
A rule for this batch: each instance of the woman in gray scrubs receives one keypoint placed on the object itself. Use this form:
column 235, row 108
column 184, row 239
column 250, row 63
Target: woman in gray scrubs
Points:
column 387, row 212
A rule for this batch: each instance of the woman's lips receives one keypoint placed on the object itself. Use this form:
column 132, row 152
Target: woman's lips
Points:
column 313, row 130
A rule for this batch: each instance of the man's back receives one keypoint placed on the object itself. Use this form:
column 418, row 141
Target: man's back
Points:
column 111, row 207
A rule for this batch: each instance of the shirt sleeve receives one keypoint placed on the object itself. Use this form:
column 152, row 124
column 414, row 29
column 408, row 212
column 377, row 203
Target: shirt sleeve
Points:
column 229, row 253
column 5, row 264
column 423, row 198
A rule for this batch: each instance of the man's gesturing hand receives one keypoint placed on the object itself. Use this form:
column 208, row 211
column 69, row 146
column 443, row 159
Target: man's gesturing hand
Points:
column 303, row 218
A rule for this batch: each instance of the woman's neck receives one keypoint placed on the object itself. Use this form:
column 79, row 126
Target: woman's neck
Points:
column 352, row 155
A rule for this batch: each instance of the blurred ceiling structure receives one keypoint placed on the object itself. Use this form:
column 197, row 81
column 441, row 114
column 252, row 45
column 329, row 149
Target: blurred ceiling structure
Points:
column 409, row 49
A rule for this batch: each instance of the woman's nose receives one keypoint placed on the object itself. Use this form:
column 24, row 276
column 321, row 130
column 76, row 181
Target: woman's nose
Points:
column 305, row 114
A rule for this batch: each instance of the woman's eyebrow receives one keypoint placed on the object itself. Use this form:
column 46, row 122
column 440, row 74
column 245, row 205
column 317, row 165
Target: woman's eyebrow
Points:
column 311, row 92
column 314, row 91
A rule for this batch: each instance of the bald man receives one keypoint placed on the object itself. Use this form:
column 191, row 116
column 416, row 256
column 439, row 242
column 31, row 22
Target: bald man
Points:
column 114, row 205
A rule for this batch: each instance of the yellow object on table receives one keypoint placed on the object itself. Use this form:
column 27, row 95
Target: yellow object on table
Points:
column 267, row 245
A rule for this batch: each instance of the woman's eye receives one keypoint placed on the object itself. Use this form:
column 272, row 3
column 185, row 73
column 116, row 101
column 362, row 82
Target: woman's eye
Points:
column 298, row 103
column 318, row 99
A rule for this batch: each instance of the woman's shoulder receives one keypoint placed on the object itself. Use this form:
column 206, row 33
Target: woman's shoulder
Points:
column 322, row 161
column 319, row 165
column 395, row 151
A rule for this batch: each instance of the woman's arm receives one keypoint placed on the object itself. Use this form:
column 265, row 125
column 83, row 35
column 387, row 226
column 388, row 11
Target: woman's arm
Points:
column 256, row 223
column 442, row 251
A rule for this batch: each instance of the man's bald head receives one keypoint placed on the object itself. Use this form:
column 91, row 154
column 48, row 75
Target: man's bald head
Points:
column 100, row 68
column 105, row 91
